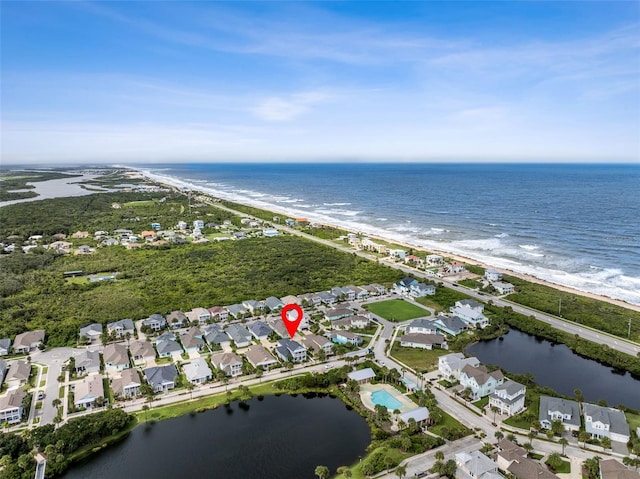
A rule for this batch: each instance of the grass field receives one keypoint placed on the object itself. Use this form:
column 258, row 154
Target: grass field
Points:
column 448, row 422
column 419, row 359
column 634, row 420
column 397, row 310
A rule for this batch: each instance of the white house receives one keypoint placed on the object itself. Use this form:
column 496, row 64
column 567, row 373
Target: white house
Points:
column 508, row 398
column 605, row 422
column 477, row 466
column 450, row 365
column 552, row 409
column 421, row 289
column 197, row 371
column 503, row 287
column 229, row 363
column 480, row 381
column 423, row 341
column 422, row 326
column 11, row 406
column 492, row 275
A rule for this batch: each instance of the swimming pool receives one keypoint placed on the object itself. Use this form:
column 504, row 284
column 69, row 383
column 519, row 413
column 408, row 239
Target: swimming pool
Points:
column 385, row 399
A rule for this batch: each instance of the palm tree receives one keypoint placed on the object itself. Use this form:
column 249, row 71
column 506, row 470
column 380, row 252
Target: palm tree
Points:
column 494, row 410
column 511, row 437
column 499, row 435
column 322, row 472
column 439, row 456
column 190, row 387
column 554, row 461
column 605, row 442
column 531, row 435
column 527, row 447
column 401, row 471
column 259, row 374
column 584, row 436
column 578, row 394
column 563, row 442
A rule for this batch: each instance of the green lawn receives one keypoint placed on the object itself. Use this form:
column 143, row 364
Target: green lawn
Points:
column 448, row 422
column 419, row 359
column 518, row 421
column 565, row 468
column 482, row 402
column 397, row 310
column 633, row 420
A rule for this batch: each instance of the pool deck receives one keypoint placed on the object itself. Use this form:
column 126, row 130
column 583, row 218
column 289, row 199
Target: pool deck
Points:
column 367, row 389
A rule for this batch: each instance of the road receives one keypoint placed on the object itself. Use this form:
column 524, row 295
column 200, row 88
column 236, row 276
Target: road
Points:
column 53, row 359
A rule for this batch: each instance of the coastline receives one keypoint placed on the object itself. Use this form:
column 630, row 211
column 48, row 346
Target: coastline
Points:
column 526, row 277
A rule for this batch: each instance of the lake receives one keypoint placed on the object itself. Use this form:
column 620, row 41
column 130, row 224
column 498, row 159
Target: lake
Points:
column 274, row 436
column 559, row 368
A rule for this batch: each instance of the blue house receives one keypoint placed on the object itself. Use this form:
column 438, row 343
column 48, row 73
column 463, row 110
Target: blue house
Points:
column 156, row 226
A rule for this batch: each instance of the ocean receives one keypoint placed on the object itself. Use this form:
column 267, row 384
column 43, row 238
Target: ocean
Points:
column 573, row 225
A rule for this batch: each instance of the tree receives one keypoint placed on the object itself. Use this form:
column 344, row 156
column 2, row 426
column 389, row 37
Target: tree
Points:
column 322, row 355
column 527, row 447
column 554, row 461
column 584, row 436
column 56, row 402
column 531, row 435
column 190, row 387
column 578, row 394
column 557, row 427
column 495, row 411
column 345, row 471
column 512, row 437
column 145, row 408
column 322, row 472
column 259, row 373
column 592, row 466
column 499, row 435
column 439, row 456
column 401, row 471
column 605, row 442
column 563, row 442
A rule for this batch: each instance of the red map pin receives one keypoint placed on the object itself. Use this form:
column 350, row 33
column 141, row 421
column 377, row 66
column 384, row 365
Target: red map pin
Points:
column 291, row 324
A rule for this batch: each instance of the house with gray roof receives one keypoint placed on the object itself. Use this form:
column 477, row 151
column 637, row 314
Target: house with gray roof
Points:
column 3, row 370
column 359, row 293
column 176, row 319
column 473, row 317
column 229, row 363
column 192, row 340
column 508, row 397
column 116, row 356
column 422, row 326
column 480, row 380
column 259, row 330
column 239, row 335
column 237, row 310
column 128, row 384
column 5, row 346
column 87, row 362
column 345, row 337
column 121, row 327
column 565, row 410
column 403, row 286
column 87, row 391
column 338, row 313
column 155, row 322
column 255, row 307
column 612, row 469
column 451, row 325
column 273, row 303
column 168, row 347
column 423, row 341
column 91, row 333
column 476, row 465
column 421, row 290
column 343, row 293
column 450, row 365
column 317, row 343
column 197, row 371
column 289, row 350
column 28, row 341
column 215, row 336
column 260, row 357
column 18, row 374
column 355, row 322
column 142, row 352
column 420, row 415
column 608, row 422
column 161, row 378
column 11, row 406
column 362, row 375
column 327, row 297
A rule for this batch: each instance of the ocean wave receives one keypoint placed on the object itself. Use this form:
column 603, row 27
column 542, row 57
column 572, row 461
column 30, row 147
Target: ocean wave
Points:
column 340, row 212
column 529, row 247
column 336, row 204
column 502, row 235
column 382, row 219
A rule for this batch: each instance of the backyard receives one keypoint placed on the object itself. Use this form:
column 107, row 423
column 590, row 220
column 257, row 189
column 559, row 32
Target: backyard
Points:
column 422, row 360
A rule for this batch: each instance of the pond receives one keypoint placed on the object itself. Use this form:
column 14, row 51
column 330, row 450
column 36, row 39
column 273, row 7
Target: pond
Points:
column 274, row 436
column 556, row 366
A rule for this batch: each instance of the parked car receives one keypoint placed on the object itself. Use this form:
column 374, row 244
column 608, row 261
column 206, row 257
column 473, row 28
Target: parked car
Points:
column 41, row 395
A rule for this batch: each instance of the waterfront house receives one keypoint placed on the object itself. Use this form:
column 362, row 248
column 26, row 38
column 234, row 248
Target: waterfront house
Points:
column 237, row 310
column 259, row 330
column 259, row 357
column 608, row 422
column 87, row 362
column 317, row 343
column 289, row 350
column 362, row 376
column 423, row 341
column 508, row 398
column 218, row 313
column 176, row 319
column 229, row 363
column 345, row 337
column 502, row 287
column 421, row 290
column 161, row 378
column 28, row 341
column 422, row 326
column 127, row 385
column 11, row 407
column 91, row 333
column 451, row 325
column 565, row 410
column 197, row 371
column 479, row 380
column 397, row 253
column 492, row 275
column 18, row 374
column 192, row 340
column 239, row 335
column 142, row 352
column 403, row 286
column 155, row 322
column 476, row 465
column 5, row 346
column 339, row 313
column 451, row 365
column 273, row 304
column 472, row 316
column 121, row 328
column 198, row 315
column 116, row 356
column 87, row 391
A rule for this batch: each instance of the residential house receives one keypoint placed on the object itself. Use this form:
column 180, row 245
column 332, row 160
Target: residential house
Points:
column 278, row 326
column 215, row 336
column 270, row 232
column 476, row 465
column 253, row 306
column 502, row 287
column 362, row 375
column 421, row 289
column 259, row 356
column 155, row 322
column 480, row 381
column 454, row 268
column 397, row 253
column 291, row 300
column 128, row 384
column 360, row 293
column 259, row 330
column 513, row 459
column 80, row 234
column 423, row 341
column 450, row 365
column 18, row 374
column 91, row 333
column 161, row 378
column 565, row 410
column 229, row 363
column 121, row 328
column 345, row 337
column 508, row 398
column 422, row 326
column 116, row 356
column 87, row 362
column 471, row 316
column 355, row 322
column 237, row 310
column 608, row 422
column 192, row 340
column 87, row 391
column 5, row 346
column 317, row 343
column 167, row 346
column 326, row 297
column 451, row 325
column 343, row 294
column 28, row 341
column 3, row 370
column 198, row 224
column 177, row 319
column 492, row 275
column 404, row 285
column 218, row 313
column 198, row 315
column 612, row 469
column 11, row 407
column 273, row 304
column 412, row 258
column 239, row 335
column 470, row 303
column 309, row 299
column 142, row 352
column 339, row 313
column 197, row 371
column 289, row 350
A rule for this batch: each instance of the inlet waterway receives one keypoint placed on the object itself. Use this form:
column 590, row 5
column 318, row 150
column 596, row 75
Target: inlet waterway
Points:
column 556, row 366
column 274, row 436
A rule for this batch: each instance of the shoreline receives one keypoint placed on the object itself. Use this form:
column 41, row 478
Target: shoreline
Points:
column 456, row 257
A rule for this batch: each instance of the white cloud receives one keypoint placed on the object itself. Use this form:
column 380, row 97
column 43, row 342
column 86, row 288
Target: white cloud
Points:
column 285, row 109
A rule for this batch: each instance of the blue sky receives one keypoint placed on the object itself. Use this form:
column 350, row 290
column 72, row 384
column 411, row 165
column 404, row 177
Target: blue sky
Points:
column 280, row 81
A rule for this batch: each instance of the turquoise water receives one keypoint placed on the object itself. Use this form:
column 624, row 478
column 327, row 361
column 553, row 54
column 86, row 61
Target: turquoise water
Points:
column 385, row 399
